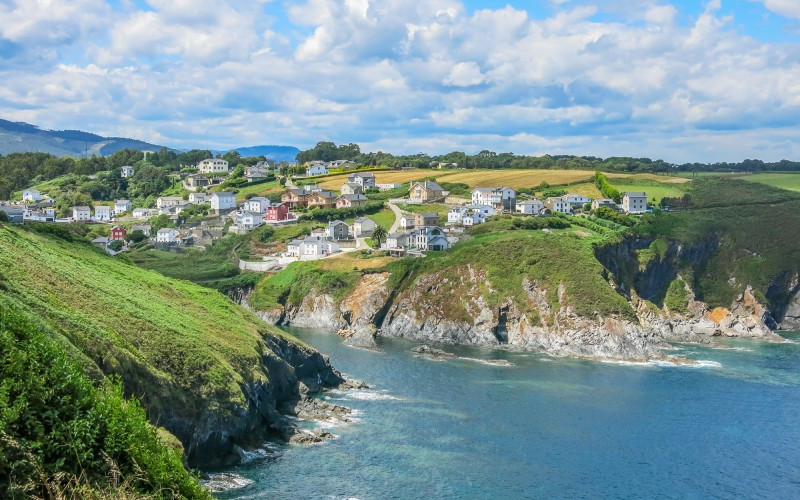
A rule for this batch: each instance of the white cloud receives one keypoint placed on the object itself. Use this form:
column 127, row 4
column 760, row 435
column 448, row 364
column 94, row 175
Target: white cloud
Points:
column 403, row 75
column 786, row 8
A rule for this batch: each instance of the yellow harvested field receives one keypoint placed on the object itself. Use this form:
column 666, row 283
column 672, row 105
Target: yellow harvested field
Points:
column 585, row 189
column 346, row 262
column 513, row 178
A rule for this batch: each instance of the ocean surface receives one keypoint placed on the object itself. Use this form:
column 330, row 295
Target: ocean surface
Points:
column 549, row 427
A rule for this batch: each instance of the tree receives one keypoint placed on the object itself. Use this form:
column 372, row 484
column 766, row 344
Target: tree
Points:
column 116, row 245
column 3, row 216
column 148, row 181
column 379, row 234
column 137, row 236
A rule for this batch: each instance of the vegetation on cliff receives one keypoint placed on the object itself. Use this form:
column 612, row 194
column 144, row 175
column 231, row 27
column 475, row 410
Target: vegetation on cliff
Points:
column 191, row 355
column 62, row 436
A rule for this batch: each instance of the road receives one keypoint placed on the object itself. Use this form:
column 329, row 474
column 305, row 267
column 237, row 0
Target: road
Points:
column 397, row 214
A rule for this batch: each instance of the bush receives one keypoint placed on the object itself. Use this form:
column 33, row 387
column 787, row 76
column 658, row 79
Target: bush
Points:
column 326, row 214
column 58, row 428
column 115, row 245
column 606, row 188
column 614, row 216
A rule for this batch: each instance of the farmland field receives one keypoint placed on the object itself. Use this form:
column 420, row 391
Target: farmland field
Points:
column 489, row 178
column 783, row 180
column 653, row 190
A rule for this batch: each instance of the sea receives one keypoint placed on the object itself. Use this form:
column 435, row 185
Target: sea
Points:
column 499, row 424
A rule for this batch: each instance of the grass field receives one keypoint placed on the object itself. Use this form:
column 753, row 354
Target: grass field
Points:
column 783, row 180
column 264, row 189
column 653, row 190
column 666, row 179
column 383, row 218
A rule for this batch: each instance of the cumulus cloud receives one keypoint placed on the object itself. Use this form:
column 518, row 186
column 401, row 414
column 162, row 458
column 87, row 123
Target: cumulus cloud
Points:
column 786, row 8
column 404, row 76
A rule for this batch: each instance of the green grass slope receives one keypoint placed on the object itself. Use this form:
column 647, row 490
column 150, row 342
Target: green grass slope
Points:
column 188, row 351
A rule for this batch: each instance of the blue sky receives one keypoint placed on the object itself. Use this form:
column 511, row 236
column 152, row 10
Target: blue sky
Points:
column 715, row 80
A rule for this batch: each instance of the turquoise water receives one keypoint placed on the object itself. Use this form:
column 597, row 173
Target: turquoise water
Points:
column 549, row 427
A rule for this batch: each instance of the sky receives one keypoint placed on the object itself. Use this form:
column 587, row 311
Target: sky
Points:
column 708, row 81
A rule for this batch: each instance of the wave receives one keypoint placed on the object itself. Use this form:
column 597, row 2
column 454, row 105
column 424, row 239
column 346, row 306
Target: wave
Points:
column 363, row 395
column 665, row 363
column 491, row 362
column 219, row 482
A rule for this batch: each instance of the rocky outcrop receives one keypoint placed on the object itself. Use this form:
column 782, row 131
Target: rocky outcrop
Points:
column 217, row 437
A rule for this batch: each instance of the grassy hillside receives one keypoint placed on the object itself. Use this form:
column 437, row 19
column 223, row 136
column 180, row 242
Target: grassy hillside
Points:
column 61, row 436
column 783, row 180
column 755, row 229
column 187, row 351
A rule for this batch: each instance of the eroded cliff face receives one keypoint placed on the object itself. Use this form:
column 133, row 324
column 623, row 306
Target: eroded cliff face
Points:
column 219, row 437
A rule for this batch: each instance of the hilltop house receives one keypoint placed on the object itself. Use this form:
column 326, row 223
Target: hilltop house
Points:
column 557, row 204
column 253, row 174
column 195, row 181
column 397, row 241
column 32, row 196
column 141, row 213
column 144, row 228
column 168, row 201
column 425, row 192
column 213, row 166
column 351, row 201
column 199, row 198
column 312, row 246
column 343, row 164
column 257, row 204
column 577, row 199
column 351, row 188
column 322, row 199
column 364, row 179
column 249, row 220
column 223, row 201
column 316, row 169
column 126, row 171
column 278, row 212
column 118, row 233
column 530, row 207
column 363, row 226
column 122, row 206
column 603, row 202
column 429, row 239
column 102, row 213
column 502, row 198
column 167, row 235
column 338, row 230
column 634, row 202
column 81, row 213
column 295, row 198
column 426, row 219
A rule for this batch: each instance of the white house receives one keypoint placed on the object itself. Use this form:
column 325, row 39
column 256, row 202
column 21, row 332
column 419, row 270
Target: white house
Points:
column 168, row 201
column 257, row 204
column 407, row 222
column 634, row 202
column 44, row 215
column 256, row 173
column 577, row 199
column 397, row 241
column 429, row 238
column 471, row 219
column 126, row 171
column 32, row 196
column 213, row 165
column 102, row 213
column 81, row 213
column 167, row 235
column 199, row 198
column 557, row 204
column 455, row 214
column 485, row 211
column 223, row 201
column 363, row 226
column 603, row 202
column 530, row 207
column 387, row 186
column 365, row 179
column 318, row 169
column 312, row 246
column 502, row 198
column 122, row 206
column 249, row 220
column 141, row 213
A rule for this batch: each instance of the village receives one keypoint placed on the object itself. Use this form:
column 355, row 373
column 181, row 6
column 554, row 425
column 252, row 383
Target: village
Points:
column 412, row 232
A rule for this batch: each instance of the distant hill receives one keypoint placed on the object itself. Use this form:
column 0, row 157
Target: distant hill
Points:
column 277, row 153
column 20, row 137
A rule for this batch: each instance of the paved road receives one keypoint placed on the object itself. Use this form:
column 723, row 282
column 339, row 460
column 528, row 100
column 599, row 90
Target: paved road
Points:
column 397, row 214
